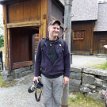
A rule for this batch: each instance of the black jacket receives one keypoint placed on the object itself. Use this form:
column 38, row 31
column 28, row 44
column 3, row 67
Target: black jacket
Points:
column 44, row 65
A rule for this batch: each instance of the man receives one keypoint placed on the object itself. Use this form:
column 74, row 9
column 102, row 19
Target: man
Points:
column 53, row 65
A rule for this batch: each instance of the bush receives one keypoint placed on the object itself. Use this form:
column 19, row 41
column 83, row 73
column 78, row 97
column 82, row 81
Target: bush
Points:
column 1, row 41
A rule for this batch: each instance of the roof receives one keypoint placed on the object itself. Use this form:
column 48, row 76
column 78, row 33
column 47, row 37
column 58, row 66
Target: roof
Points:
column 83, row 10
column 4, row 1
column 101, row 23
column 9, row 1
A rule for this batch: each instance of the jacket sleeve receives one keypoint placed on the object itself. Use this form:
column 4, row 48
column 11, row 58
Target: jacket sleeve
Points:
column 38, row 58
column 66, row 60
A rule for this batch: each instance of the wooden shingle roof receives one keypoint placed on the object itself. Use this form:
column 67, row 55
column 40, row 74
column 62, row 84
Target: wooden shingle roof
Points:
column 101, row 23
column 83, row 10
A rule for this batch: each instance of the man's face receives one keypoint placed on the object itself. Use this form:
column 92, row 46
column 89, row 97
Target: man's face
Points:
column 54, row 31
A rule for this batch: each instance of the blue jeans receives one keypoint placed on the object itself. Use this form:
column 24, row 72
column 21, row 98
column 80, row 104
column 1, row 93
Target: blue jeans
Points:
column 52, row 91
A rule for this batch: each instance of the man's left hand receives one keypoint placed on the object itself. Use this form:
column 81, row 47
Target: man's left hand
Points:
column 66, row 80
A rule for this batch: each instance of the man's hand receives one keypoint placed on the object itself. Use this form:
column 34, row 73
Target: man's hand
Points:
column 66, row 80
column 35, row 79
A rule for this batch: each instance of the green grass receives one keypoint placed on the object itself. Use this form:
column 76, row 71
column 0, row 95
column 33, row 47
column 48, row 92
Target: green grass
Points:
column 6, row 83
column 2, row 82
column 79, row 100
column 101, row 66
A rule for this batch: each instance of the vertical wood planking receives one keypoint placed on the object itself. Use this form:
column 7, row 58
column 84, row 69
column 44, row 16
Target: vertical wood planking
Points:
column 9, row 50
column 35, row 9
column 24, row 11
column 27, row 10
column 11, row 13
column 87, row 43
column 19, row 12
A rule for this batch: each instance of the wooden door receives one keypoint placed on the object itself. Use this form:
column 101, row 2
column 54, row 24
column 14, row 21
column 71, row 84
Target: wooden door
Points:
column 35, row 41
column 102, row 42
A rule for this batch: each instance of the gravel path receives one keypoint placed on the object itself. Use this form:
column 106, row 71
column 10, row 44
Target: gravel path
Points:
column 87, row 61
column 18, row 96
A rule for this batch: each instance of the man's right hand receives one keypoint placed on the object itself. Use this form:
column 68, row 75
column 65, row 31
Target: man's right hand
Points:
column 35, row 79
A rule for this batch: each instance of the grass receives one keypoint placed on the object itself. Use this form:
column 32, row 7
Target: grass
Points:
column 101, row 66
column 2, row 82
column 6, row 83
column 79, row 100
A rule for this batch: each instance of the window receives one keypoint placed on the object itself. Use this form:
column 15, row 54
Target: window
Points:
column 79, row 35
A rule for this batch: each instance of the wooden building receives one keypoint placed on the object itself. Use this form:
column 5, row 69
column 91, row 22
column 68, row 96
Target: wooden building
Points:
column 25, row 23
column 83, row 23
column 82, row 37
column 100, row 29
column 89, row 27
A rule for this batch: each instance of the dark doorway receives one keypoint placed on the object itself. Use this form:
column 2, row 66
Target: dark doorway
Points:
column 21, row 45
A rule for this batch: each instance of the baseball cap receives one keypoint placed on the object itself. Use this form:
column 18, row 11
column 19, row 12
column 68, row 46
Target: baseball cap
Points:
column 55, row 22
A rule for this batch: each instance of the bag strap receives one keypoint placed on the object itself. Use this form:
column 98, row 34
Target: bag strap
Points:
column 36, row 96
column 42, row 42
column 62, row 42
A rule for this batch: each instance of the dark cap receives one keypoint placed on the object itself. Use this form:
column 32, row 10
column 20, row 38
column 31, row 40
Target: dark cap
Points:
column 55, row 22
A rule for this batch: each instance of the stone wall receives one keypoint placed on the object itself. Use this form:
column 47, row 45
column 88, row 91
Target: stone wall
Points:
column 88, row 81
column 17, row 73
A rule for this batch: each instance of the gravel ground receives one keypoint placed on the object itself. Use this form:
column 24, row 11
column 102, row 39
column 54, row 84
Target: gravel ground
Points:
column 18, row 96
column 87, row 61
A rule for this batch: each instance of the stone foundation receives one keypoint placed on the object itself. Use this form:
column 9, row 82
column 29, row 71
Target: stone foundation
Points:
column 17, row 73
column 88, row 81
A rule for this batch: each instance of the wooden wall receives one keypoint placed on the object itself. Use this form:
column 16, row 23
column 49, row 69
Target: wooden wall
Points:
column 21, row 18
column 44, row 17
column 18, row 16
column 82, row 37
column 55, row 10
column 100, row 39
column 24, row 11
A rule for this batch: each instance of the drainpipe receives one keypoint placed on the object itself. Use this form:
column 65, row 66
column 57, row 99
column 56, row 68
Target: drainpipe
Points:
column 67, row 38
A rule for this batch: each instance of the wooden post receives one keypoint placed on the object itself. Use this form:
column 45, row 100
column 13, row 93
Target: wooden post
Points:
column 67, row 37
column 5, row 36
column 65, row 96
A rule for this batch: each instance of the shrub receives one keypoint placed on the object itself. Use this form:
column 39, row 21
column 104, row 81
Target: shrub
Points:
column 1, row 41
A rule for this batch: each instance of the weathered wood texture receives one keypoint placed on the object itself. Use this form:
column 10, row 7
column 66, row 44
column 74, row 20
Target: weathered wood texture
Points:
column 100, row 39
column 6, row 48
column 44, row 17
column 25, row 23
column 24, row 11
column 82, row 37
column 21, row 44
column 21, row 21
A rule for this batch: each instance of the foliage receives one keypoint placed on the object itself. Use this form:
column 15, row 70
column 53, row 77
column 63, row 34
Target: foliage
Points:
column 79, row 100
column 1, row 41
column 2, row 82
